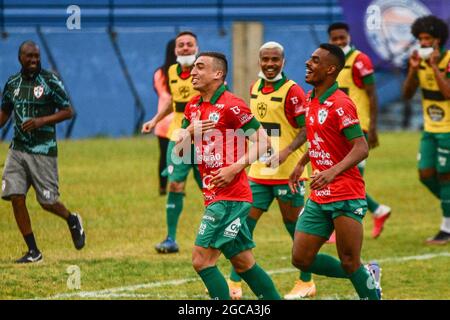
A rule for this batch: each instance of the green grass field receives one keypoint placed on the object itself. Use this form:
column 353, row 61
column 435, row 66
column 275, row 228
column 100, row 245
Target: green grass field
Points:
column 113, row 185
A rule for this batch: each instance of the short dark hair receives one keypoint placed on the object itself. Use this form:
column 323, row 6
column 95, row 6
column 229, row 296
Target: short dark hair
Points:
column 336, row 52
column 219, row 58
column 26, row 43
column 431, row 25
column 338, row 25
column 184, row 33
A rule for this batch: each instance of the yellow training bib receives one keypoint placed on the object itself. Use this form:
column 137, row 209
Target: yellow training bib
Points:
column 436, row 109
column 358, row 95
column 269, row 110
column 182, row 92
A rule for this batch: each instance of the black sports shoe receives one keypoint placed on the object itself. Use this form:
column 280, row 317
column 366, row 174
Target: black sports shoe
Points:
column 77, row 231
column 441, row 238
column 30, row 257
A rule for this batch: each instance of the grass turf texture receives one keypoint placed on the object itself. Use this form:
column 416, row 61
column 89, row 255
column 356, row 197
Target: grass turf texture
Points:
column 113, row 185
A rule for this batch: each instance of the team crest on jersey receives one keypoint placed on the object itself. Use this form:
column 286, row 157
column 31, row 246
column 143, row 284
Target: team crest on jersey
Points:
column 214, row 117
column 184, row 91
column 262, row 109
column 322, row 115
column 38, row 91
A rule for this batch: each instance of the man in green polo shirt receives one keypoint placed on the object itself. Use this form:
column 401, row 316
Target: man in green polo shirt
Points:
column 37, row 100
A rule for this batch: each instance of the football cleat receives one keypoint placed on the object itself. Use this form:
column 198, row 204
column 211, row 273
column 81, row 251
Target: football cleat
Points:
column 30, row 257
column 375, row 271
column 441, row 237
column 77, row 232
column 302, row 290
column 379, row 218
column 235, row 289
column 167, row 246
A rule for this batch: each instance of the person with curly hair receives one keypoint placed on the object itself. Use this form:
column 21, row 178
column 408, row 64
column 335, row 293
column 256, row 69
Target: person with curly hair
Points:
column 429, row 68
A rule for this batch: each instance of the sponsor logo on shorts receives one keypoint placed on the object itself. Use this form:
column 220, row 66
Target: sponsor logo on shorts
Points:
column 442, row 161
column 232, row 230
column 282, row 192
column 359, row 212
column 202, row 228
column 209, row 218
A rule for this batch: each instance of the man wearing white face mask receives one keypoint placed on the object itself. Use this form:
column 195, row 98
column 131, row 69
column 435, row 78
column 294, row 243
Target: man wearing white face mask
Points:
column 277, row 103
column 181, row 91
column 429, row 68
column 358, row 82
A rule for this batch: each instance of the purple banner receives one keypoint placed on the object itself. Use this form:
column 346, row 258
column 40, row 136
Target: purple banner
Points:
column 382, row 28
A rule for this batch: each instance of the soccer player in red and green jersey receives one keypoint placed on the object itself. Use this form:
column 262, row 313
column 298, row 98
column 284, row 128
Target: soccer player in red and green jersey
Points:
column 220, row 150
column 337, row 200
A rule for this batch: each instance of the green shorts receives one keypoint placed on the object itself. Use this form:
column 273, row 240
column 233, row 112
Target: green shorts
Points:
column 434, row 152
column 263, row 195
column 224, row 227
column 178, row 168
column 317, row 219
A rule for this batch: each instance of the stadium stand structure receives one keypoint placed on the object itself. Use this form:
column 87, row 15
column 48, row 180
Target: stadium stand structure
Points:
column 90, row 68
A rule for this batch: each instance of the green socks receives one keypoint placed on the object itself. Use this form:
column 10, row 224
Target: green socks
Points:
column 260, row 283
column 251, row 223
column 290, row 227
column 173, row 210
column 364, row 284
column 372, row 205
column 329, row 266
column 433, row 185
column 445, row 198
column 215, row 283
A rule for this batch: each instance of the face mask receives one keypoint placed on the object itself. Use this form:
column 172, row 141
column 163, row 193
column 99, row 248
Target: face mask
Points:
column 275, row 79
column 346, row 49
column 425, row 53
column 186, row 61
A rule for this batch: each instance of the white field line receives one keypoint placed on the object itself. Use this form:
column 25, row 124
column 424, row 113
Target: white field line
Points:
column 118, row 291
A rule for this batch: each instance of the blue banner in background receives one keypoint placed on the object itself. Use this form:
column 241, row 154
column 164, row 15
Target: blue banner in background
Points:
column 382, row 28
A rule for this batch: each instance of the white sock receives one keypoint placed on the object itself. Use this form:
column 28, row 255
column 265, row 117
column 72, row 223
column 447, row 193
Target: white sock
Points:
column 381, row 210
column 445, row 226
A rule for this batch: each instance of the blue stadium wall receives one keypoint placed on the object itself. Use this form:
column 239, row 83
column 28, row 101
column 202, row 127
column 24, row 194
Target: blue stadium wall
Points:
column 90, row 69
